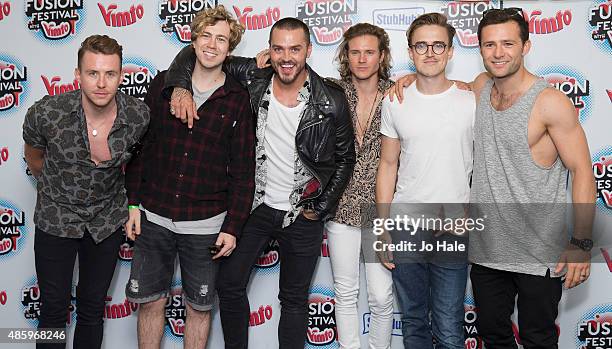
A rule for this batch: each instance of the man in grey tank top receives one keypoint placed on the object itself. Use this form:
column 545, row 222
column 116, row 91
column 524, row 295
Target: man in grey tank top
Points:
column 527, row 136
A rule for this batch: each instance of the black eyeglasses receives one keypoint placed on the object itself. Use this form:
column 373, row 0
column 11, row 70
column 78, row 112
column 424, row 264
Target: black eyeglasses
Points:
column 421, row 47
column 509, row 11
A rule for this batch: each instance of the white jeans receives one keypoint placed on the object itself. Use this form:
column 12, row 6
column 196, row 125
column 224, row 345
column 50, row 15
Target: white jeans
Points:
column 344, row 243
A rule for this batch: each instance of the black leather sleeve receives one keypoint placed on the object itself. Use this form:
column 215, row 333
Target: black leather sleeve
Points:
column 181, row 69
column 179, row 72
column 326, row 203
column 240, row 68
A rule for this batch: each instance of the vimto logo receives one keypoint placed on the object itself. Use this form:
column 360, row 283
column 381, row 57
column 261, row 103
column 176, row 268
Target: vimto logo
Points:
column 13, row 83
column 118, row 310
column 260, row 316
column 176, row 15
column 12, row 229
column 547, row 25
column 54, row 19
column 328, row 19
column 268, row 261
column 594, row 330
column 465, row 17
column 256, row 21
column 602, row 170
column 573, row 84
column 5, row 9
column 126, row 251
column 4, row 155
column 321, row 318
column 117, row 18
column 54, row 85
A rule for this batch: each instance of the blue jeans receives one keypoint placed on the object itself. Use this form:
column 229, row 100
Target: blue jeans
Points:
column 439, row 288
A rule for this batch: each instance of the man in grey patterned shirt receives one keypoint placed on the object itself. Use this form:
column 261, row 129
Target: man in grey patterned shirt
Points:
column 76, row 145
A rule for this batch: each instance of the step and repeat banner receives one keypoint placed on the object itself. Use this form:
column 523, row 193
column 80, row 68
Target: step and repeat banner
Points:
column 572, row 49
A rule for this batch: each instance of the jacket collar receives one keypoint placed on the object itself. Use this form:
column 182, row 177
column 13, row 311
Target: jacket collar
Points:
column 318, row 91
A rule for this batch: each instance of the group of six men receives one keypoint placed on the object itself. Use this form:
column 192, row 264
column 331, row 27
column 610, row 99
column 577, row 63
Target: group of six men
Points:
column 271, row 150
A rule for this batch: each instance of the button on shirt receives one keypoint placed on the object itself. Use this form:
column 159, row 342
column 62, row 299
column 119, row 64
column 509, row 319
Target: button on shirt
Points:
column 193, row 174
column 75, row 195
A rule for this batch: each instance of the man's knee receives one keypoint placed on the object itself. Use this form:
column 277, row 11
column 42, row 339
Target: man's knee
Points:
column 197, row 313
column 155, row 306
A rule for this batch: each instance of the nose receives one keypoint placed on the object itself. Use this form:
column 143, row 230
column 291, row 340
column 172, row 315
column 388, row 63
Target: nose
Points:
column 101, row 82
column 362, row 58
column 212, row 43
column 429, row 52
column 498, row 51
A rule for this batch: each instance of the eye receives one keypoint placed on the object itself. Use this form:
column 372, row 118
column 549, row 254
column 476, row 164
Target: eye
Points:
column 221, row 39
column 93, row 73
column 295, row 50
column 420, row 46
column 439, row 46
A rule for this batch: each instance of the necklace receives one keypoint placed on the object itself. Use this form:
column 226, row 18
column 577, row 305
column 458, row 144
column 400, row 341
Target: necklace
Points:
column 94, row 129
column 361, row 128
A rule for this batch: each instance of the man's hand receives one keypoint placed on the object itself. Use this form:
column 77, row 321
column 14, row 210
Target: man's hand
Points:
column 183, row 107
column 386, row 257
column 132, row 226
column 578, row 263
column 397, row 90
column 262, row 58
column 227, row 243
column 310, row 215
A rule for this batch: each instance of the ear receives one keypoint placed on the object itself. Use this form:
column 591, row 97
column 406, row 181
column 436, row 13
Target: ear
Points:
column 410, row 54
column 526, row 47
column 309, row 50
column 77, row 74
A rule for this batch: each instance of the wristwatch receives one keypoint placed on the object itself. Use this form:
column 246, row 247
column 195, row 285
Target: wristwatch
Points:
column 583, row 244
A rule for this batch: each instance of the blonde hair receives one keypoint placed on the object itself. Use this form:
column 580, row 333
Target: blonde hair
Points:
column 210, row 17
column 361, row 29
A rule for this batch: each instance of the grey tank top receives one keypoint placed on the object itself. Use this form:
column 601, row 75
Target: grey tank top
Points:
column 523, row 202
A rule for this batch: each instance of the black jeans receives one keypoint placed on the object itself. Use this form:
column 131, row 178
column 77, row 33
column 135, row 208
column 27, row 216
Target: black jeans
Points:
column 537, row 303
column 300, row 247
column 54, row 259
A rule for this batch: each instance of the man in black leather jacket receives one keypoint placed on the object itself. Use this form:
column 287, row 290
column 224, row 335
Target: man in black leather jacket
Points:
column 305, row 156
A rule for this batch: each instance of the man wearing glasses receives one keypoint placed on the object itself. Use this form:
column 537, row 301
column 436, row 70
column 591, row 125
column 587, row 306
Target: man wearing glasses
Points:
column 427, row 149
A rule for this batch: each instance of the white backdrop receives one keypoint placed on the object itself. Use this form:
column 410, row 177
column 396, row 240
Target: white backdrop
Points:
column 571, row 47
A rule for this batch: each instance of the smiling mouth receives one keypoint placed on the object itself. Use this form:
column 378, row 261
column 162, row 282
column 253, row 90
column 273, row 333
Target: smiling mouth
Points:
column 209, row 54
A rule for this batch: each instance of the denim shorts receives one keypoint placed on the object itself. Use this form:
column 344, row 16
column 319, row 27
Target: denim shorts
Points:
column 155, row 251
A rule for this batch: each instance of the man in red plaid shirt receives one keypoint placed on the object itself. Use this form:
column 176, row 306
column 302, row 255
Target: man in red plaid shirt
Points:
column 195, row 186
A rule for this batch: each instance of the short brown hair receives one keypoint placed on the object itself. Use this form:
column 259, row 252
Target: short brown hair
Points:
column 432, row 18
column 211, row 16
column 103, row 44
column 504, row 15
column 290, row 23
column 357, row 30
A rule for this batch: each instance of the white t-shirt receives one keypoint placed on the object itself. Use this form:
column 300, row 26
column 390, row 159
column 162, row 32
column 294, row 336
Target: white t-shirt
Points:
column 279, row 142
column 436, row 136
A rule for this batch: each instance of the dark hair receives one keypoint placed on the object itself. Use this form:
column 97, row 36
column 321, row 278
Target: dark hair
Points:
column 290, row 23
column 432, row 18
column 100, row 44
column 499, row 16
column 361, row 29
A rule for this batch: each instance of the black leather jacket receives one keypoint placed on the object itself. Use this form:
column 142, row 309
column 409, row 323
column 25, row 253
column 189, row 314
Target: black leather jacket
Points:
column 324, row 138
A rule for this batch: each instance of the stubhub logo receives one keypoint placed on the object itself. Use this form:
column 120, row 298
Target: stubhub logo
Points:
column 396, row 18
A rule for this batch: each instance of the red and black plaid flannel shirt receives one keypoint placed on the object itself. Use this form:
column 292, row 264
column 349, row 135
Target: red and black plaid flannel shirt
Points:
column 192, row 174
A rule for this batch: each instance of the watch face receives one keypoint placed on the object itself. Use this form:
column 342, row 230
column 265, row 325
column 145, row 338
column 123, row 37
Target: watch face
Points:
column 587, row 244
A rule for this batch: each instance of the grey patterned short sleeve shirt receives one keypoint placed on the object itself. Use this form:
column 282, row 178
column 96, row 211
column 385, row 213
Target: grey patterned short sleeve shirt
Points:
column 75, row 195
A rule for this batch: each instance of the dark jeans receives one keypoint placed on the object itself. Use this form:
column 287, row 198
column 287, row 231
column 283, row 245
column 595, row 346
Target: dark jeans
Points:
column 300, row 247
column 422, row 288
column 54, row 259
column 537, row 303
